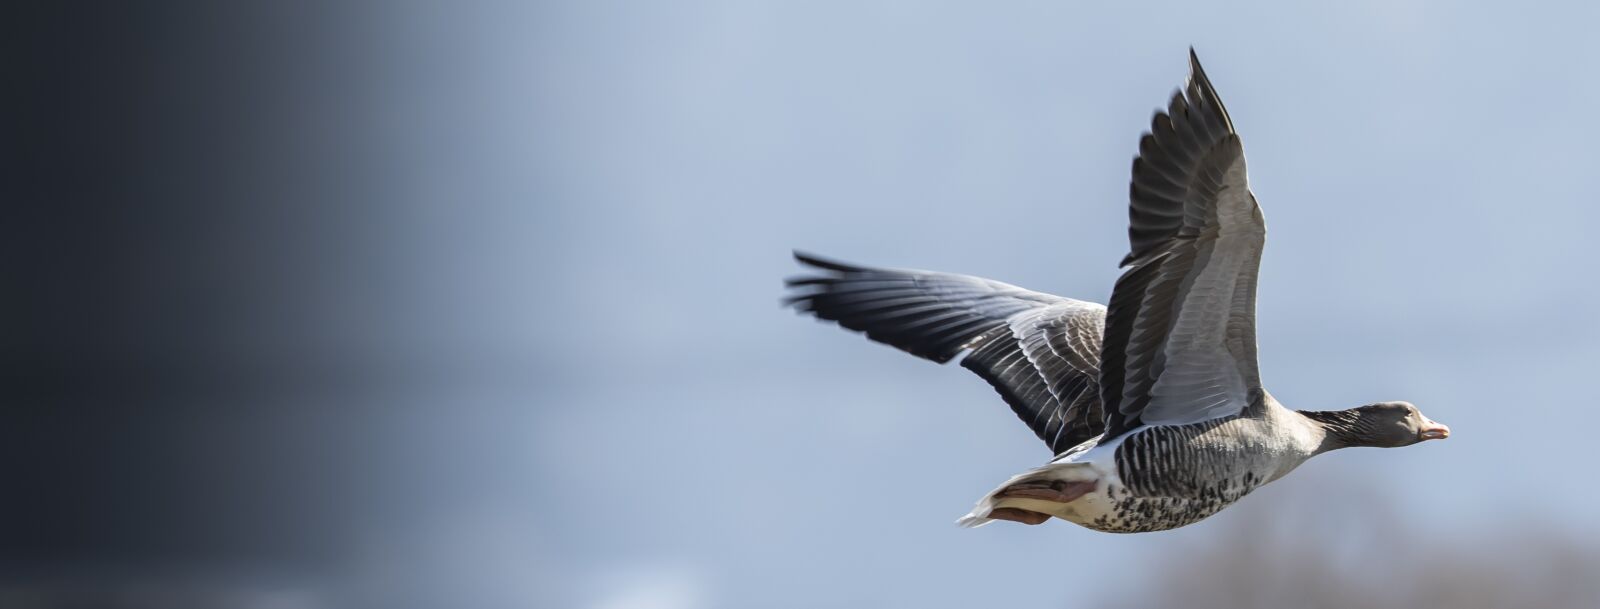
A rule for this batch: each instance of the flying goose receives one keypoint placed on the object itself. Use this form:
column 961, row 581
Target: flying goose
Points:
column 1153, row 406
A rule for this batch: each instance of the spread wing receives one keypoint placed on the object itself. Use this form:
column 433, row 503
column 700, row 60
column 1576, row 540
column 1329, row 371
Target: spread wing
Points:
column 1039, row 351
column 1180, row 342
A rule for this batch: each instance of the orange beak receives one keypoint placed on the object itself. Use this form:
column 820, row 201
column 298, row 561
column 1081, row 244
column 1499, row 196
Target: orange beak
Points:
column 1434, row 431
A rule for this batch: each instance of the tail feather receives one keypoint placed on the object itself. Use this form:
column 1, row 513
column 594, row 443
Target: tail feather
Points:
column 980, row 514
column 974, row 520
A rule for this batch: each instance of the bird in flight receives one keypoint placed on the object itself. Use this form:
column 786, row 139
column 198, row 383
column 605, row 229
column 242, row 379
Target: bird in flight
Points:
column 1153, row 404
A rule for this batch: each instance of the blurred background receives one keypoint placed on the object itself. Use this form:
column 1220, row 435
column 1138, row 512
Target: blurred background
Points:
column 475, row 304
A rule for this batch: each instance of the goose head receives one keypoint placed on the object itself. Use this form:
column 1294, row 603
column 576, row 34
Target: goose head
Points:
column 1384, row 424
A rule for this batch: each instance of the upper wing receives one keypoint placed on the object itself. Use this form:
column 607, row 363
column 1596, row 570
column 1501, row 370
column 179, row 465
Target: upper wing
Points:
column 1040, row 352
column 1180, row 342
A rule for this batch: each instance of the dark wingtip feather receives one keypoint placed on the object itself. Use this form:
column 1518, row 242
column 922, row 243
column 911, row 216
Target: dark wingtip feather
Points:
column 799, row 281
column 813, row 260
column 800, row 304
column 1200, row 83
column 1197, row 73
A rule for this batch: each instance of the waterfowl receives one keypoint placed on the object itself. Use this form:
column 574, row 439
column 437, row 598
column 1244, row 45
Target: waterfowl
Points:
column 1153, row 406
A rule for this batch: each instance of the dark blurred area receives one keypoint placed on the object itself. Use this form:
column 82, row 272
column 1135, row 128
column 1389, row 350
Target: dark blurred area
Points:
column 211, row 379
column 174, row 274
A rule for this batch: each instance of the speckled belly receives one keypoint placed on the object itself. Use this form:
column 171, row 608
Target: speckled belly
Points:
column 1130, row 514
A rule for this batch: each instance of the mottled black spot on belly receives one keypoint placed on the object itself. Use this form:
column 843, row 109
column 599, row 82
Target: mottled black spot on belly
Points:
column 1175, row 476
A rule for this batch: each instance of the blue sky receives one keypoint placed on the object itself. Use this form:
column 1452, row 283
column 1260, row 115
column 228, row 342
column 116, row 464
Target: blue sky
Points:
column 1425, row 170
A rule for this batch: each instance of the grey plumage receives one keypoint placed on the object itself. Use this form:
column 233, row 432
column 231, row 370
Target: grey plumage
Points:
column 1153, row 405
column 1040, row 352
column 1180, row 339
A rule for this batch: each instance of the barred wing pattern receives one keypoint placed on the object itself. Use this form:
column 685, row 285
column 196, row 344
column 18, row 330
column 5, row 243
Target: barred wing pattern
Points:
column 1039, row 351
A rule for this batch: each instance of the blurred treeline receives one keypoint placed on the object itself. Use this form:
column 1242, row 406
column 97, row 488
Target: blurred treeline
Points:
column 1344, row 546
